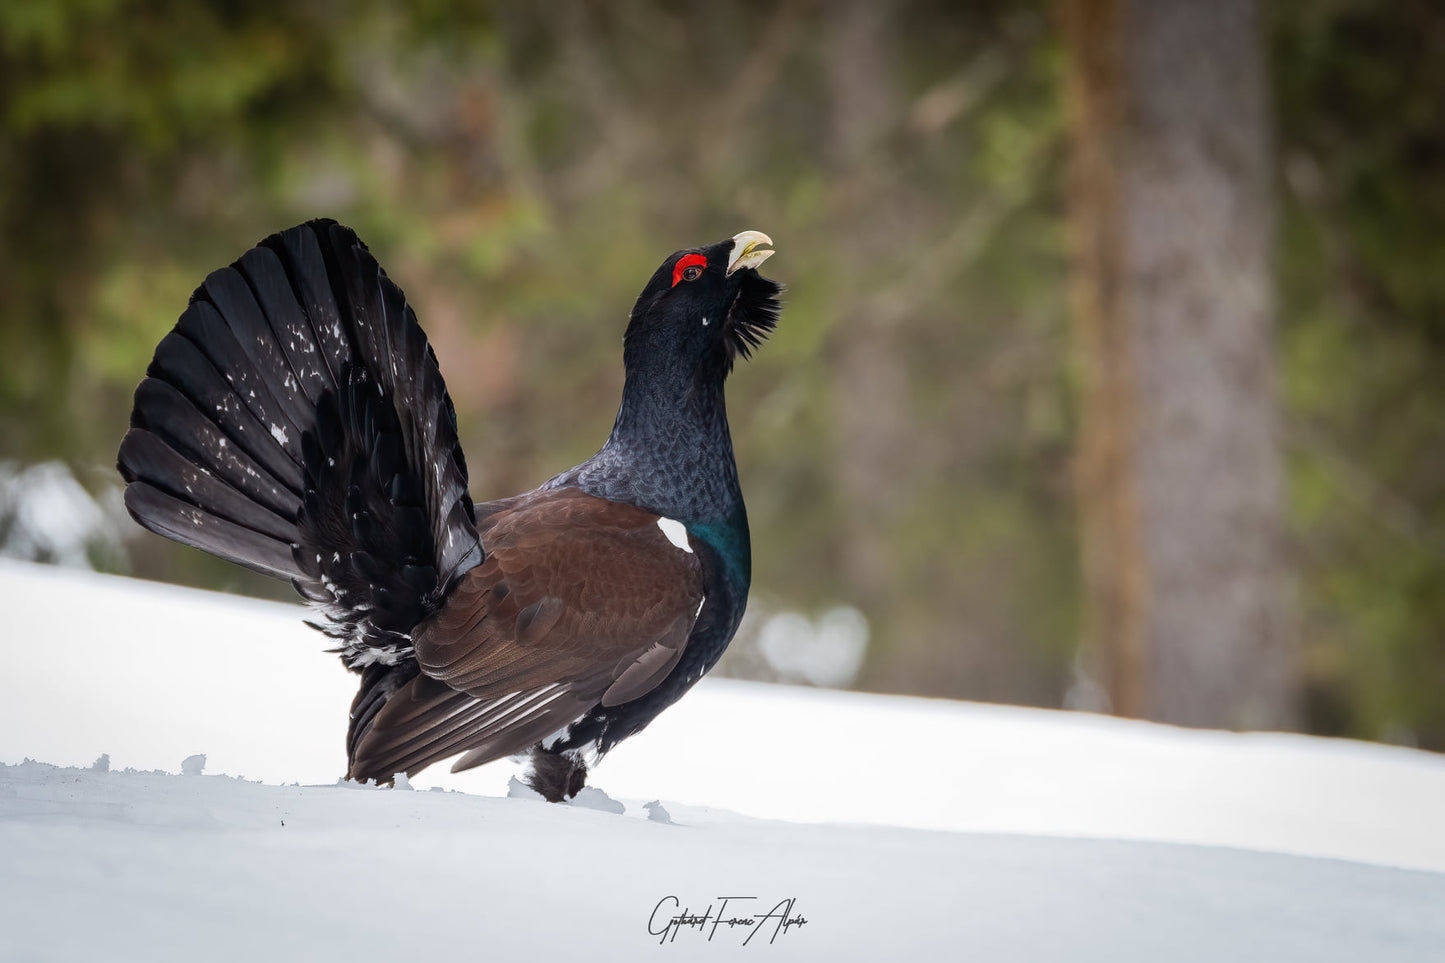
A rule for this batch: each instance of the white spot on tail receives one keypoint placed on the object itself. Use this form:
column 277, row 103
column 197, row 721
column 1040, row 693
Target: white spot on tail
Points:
column 279, row 434
column 704, row 320
column 675, row 532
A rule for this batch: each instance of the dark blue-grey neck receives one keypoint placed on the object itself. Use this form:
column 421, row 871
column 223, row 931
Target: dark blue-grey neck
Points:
column 670, row 451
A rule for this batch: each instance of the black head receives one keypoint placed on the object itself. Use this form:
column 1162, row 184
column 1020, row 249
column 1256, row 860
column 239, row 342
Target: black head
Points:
column 705, row 306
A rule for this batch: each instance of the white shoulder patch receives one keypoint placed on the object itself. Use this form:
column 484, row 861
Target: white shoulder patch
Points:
column 675, row 532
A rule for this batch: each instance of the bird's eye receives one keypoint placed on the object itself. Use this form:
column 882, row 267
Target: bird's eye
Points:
column 688, row 268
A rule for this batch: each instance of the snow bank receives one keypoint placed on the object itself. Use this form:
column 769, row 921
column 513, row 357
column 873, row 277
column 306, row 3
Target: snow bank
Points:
column 126, row 865
column 152, row 674
column 955, row 844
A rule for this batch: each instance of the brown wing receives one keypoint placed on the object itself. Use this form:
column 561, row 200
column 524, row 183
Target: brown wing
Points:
column 580, row 601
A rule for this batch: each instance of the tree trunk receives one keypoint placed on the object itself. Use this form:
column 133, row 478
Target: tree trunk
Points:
column 872, row 385
column 1189, row 608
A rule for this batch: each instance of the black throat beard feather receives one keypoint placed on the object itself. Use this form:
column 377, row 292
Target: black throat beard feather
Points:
column 753, row 315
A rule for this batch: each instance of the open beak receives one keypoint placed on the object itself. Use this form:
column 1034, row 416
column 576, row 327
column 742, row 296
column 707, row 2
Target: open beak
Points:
column 745, row 250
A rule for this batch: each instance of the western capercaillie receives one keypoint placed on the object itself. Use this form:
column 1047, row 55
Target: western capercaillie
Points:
column 295, row 421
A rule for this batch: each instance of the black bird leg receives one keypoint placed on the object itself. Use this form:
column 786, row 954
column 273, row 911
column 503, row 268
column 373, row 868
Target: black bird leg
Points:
column 556, row 775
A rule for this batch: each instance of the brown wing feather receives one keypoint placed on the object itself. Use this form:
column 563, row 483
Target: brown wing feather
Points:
column 574, row 589
column 579, row 601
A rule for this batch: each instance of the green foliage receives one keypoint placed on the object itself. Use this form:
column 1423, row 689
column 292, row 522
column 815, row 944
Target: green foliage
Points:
column 1363, row 314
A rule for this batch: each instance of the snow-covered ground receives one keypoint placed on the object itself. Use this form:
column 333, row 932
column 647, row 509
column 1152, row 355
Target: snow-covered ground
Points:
column 894, row 825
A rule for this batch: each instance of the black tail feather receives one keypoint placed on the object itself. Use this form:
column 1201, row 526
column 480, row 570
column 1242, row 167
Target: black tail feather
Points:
column 252, row 389
column 366, row 507
column 285, row 406
column 290, row 327
column 150, row 457
column 266, row 477
column 179, row 364
column 322, row 326
column 186, row 523
column 295, row 421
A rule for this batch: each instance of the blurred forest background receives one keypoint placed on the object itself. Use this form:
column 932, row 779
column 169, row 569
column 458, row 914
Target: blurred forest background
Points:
column 921, row 443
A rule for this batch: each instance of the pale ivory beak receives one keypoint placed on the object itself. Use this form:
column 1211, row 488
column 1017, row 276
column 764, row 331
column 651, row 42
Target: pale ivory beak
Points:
column 745, row 250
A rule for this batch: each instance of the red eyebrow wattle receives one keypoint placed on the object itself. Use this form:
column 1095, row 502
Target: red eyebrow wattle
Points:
column 685, row 262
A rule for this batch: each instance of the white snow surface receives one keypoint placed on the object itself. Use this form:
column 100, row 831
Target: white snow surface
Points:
column 894, row 825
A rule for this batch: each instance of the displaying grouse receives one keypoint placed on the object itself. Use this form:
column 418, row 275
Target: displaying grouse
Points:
column 295, row 421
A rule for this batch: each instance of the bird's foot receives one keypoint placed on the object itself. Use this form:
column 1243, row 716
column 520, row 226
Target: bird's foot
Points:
column 556, row 775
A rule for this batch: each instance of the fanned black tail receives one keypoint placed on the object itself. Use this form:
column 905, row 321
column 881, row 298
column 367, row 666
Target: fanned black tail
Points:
column 295, row 421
